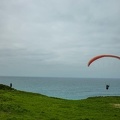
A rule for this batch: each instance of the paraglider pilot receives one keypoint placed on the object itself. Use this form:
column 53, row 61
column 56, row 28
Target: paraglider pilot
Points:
column 107, row 86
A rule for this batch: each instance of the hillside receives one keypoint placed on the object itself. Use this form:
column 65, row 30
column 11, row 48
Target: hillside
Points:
column 20, row 105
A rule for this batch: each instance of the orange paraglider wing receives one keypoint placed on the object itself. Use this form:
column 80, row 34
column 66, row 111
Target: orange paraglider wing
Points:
column 100, row 56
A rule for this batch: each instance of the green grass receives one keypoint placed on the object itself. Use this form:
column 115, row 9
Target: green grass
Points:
column 19, row 105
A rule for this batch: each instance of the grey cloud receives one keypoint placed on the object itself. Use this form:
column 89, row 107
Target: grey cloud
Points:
column 58, row 33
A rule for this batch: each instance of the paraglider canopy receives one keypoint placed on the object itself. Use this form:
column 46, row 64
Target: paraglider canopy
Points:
column 101, row 56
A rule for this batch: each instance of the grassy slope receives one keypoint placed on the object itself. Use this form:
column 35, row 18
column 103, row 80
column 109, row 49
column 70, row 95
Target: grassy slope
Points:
column 18, row 105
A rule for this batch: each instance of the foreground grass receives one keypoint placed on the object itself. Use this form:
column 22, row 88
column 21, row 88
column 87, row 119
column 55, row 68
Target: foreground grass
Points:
column 18, row 105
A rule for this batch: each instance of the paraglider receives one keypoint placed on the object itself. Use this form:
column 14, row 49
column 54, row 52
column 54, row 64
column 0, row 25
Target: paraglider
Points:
column 101, row 56
column 107, row 86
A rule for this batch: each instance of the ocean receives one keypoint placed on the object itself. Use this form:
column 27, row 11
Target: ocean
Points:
column 66, row 88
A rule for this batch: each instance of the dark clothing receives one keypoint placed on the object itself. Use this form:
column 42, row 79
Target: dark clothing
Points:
column 11, row 85
column 107, row 86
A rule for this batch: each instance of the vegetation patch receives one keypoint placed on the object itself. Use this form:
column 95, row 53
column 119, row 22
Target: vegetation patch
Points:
column 116, row 105
column 5, row 87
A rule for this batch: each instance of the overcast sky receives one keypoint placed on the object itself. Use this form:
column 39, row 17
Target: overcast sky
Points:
column 57, row 38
